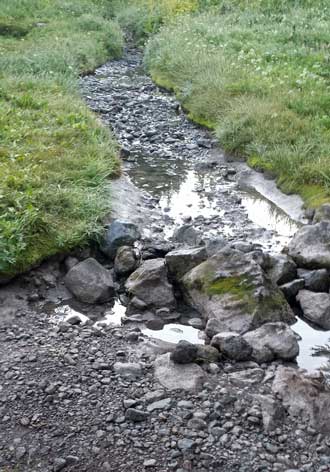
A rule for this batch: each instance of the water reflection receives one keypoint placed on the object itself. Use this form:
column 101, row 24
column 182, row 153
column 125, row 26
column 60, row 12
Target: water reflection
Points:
column 265, row 214
column 311, row 337
column 175, row 332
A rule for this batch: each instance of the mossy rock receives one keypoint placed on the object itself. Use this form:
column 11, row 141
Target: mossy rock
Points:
column 233, row 293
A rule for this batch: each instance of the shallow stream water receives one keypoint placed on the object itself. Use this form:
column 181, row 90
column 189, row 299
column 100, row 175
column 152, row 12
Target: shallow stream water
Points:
column 174, row 173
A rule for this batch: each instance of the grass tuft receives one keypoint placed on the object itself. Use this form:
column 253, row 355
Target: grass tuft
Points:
column 258, row 73
column 55, row 156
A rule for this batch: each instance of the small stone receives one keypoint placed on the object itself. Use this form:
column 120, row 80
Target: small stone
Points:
column 184, row 353
column 59, row 464
column 149, row 463
column 135, row 415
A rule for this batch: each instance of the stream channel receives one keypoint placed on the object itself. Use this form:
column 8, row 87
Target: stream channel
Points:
column 174, row 173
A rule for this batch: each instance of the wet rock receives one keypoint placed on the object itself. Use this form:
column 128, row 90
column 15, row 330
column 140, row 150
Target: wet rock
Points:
column 291, row 289
column 233, row 346
column 181, row 261
column 315, row 307
column 126, row 261
column 150, row 284
column 178, row 376
column 310, row 247
column 119, row 233
column 156, row 251
column 322, row 213
column 187, row 234
column 90, row 282
column 272, row 341
column 315, row 280
column 273, row 412
column 184, row 353
column 232, row 292
column 304, row 396
column 282, row 269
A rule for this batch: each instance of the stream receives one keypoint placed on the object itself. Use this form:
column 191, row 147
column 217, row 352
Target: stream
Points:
column 174, row 174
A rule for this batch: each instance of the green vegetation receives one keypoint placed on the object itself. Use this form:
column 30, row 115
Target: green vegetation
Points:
column 257, row 72
column 55, row 156
column 239, row 287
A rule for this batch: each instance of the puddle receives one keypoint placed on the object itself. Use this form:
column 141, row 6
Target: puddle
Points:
column 267, row 215
column 113, row 316
column 64, row 313
column 175, row 332
column 311, row 338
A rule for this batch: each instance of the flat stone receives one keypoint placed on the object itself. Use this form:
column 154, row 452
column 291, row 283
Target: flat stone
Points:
column 128, row 369
column 136, row 416
column 178, row 376
column 164, row 404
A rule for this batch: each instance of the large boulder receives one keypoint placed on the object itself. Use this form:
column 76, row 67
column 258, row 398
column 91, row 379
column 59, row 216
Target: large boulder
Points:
column 282, row 269
column 310, row 247
column 305, row 397
column 233, row 293
column 150, row 285
column 119, row 233
column 315, row 280
column 181, row 261
column 315, row 307
column 90, row 282
column 178, row 376
column 233, row 346
column 272, row 341
column 127, row 260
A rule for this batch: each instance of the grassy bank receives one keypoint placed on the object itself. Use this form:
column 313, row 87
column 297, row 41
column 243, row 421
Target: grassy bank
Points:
column 258, row 73
column 55, row 157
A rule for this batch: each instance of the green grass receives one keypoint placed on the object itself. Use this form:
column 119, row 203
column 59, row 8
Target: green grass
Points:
column 258, row 73
column 55, row 156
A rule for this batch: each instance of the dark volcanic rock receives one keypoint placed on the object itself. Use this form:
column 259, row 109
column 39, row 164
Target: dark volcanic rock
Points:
column 119, row 233
column 90, row 282
column 233, row 346
column 184, row 353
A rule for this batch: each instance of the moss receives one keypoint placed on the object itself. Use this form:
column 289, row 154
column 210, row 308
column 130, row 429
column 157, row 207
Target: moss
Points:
column 237, row 286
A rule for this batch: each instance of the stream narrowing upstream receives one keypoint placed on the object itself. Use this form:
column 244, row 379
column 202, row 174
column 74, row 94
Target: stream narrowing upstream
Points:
column 174, row 173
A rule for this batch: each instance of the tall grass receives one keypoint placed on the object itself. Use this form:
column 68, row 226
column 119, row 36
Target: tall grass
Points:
column 258, row 73
column 55, row 157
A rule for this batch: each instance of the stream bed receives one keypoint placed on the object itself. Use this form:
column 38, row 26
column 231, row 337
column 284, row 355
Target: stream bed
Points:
column 175, row 174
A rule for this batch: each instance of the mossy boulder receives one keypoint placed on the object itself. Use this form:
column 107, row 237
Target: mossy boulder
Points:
column 232, row 292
